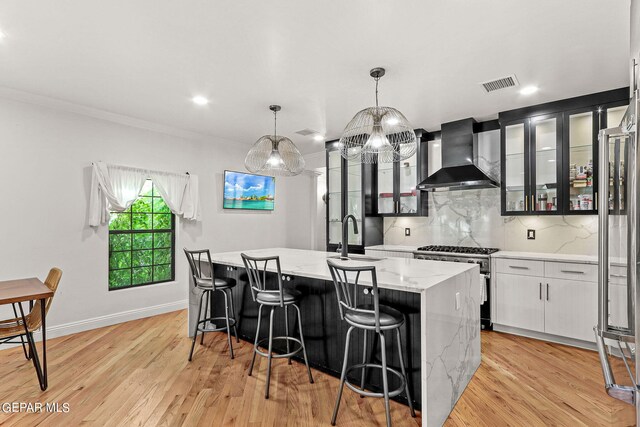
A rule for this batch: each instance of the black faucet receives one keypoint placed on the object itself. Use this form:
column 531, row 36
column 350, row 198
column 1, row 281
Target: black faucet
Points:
column 345, row 235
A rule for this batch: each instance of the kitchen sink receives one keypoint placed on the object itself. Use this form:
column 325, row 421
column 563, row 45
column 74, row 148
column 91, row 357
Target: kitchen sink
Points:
column 358, row 258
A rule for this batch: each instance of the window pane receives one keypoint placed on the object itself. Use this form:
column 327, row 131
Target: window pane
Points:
column 162, row 240
column 161, row 221
column 162, row 272
column 143, row 204
column 162, row 256
column 120, row 221
column 141, row 258
column 141, row 275
column 147, row 188
column 119, row 260
column 119, row 278
column 119, row 242
column 159, row 206
column 142, row 221
column 142, row 240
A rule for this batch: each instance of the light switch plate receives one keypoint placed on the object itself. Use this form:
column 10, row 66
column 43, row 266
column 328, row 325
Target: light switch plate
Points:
column 457, row 300
column 531, row 234
column 407, row 231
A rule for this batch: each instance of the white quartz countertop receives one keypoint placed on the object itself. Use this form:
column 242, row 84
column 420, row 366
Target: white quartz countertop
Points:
column 581, row 259
column 392, row 248
column 404, row 274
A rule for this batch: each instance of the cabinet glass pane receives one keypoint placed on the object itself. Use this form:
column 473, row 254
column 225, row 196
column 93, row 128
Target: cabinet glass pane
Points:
column 385, row 188
column 408, row 180
column 581, row 188
column 354, row 198
column 546, row 184
column 614, row 116
column 514, row 167
column 334, row 192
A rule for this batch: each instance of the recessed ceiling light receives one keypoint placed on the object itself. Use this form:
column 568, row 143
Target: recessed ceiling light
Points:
column 318, row 137
column 2, row 35
column 528, row 90
column 200, row 100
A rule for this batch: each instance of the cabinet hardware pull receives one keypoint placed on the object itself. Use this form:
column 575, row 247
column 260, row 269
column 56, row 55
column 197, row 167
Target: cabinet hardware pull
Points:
column 540, row 290
column 547, row 292
column 533, row 203
column 595, row 207
column 572, row 271
column 519, row 267
column 618, row 275
column 526, row 203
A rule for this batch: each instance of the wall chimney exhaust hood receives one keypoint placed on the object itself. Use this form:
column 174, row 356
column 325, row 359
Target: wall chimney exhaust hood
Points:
column 460, row 170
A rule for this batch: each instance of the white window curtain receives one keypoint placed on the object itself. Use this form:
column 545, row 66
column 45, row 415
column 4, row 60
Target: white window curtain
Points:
column 116, row 187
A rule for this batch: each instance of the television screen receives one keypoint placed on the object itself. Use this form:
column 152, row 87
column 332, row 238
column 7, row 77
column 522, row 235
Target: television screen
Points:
column 248, row 191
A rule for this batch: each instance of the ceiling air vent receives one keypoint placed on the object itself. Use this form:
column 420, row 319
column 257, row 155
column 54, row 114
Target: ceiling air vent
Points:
column 502, row 83
column 307, row 132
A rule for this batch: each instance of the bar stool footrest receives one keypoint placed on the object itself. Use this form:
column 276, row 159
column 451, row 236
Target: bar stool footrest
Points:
column 357, row 389
column 211, row 320
column 262, row 342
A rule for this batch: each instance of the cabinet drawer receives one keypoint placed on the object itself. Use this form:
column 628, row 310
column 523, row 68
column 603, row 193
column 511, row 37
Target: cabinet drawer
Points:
column 571, row 271
column 618, row 275
column 524, row 267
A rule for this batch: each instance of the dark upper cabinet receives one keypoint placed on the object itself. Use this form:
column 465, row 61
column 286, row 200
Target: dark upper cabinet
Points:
column 350, row 192
column 549, row 154
column 394, row 185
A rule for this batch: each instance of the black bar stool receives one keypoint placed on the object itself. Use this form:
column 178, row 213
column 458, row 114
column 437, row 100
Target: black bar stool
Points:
column 208, row 285
column 376, row 317
column 257, row 271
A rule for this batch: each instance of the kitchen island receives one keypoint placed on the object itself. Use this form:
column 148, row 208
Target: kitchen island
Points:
column 439, row 299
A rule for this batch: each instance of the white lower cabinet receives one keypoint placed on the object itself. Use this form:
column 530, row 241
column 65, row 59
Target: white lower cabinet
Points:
column 548, row 304
column 571, row 308
column 519, row 302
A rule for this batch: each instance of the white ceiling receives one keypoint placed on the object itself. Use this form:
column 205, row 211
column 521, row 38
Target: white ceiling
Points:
column 147, row 58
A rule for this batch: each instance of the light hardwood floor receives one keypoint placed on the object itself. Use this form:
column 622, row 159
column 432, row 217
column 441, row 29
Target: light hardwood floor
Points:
column 137, row 373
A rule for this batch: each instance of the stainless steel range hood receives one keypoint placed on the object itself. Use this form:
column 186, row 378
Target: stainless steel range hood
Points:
column 460, row 169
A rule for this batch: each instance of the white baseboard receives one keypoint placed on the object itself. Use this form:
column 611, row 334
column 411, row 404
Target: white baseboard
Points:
column 545, row 337
column 108, row 320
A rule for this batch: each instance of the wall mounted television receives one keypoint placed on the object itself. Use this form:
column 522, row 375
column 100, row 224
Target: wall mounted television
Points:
column 248, row 191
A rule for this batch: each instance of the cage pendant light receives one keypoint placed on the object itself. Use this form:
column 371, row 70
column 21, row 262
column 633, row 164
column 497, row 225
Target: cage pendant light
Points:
column 274, row 154
column 378, row 134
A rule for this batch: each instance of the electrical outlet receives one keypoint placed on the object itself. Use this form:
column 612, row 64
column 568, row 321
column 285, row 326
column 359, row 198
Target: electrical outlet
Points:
column 457, row 300
column 407, row 231
column 531, row 234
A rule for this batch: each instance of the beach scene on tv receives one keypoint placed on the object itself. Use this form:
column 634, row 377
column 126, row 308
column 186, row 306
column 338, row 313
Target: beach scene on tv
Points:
column 248, row 191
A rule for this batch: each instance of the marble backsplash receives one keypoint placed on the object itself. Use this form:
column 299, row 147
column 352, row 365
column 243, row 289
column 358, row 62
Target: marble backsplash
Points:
column 472, row 218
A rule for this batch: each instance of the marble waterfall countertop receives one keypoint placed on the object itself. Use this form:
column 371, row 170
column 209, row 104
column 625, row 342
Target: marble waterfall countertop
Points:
column 403, row 274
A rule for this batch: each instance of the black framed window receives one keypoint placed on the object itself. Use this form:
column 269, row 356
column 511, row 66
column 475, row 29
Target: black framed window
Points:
column 141, row 242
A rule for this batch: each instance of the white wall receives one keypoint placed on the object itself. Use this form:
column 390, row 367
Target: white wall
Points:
column 45, row 157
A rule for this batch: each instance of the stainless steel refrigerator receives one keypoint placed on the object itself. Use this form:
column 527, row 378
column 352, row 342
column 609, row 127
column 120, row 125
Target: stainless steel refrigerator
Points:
column 618, row 328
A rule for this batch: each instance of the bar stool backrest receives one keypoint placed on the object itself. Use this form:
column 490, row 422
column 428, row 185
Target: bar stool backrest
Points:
column 195, row 259
column 257, row 271
column 347, row 290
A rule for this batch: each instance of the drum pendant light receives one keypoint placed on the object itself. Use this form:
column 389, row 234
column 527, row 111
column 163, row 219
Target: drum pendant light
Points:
column 378, row 134
column 274, row 154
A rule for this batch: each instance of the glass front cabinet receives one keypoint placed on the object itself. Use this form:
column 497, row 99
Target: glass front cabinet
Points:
column 531, row 169
column 549, row 161
column 349, row 186
column 396, row 183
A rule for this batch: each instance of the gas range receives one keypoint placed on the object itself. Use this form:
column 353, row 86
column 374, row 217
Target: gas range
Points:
column 480, row 256
column 475, row 255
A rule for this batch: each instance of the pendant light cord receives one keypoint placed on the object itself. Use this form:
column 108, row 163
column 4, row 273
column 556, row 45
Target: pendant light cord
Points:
column 377, row 79
column 275, row 124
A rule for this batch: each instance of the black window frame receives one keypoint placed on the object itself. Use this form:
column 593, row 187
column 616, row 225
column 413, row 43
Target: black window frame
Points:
column 131, row 249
